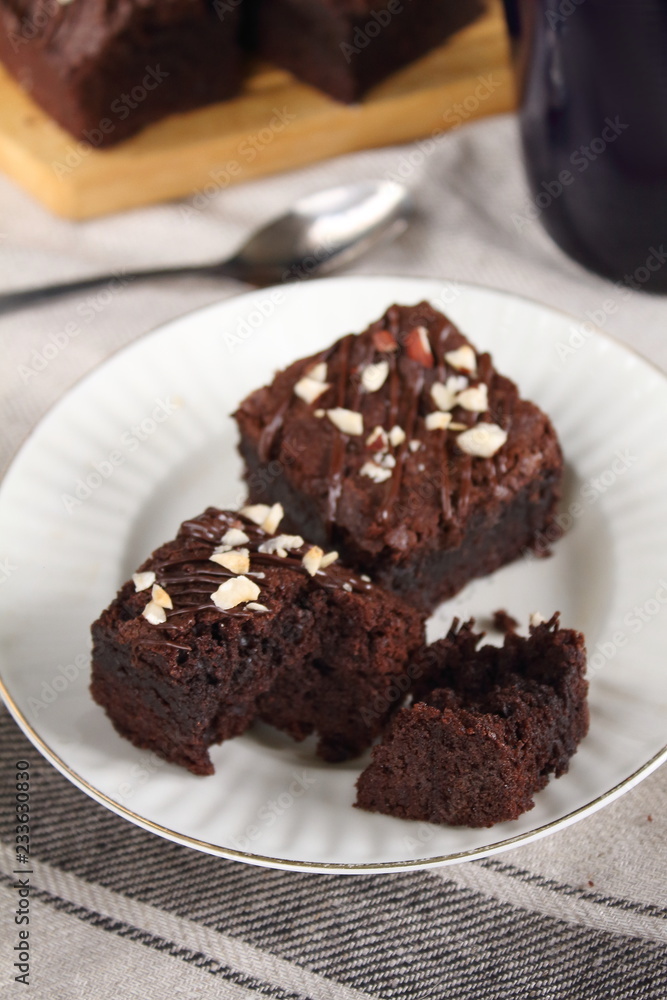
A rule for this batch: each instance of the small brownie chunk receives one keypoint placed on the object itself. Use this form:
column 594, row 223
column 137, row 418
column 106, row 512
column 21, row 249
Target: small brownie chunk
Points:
column 504, row 622
column 405, row 450
column 344, row 47
column 104, row 69
column 486, row 729
column 233, row 621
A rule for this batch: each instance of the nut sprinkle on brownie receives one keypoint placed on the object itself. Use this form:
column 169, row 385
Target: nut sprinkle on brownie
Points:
column 406, row 451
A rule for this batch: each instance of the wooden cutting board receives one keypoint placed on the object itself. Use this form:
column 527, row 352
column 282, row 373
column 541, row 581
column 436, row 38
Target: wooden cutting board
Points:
column 275, row 124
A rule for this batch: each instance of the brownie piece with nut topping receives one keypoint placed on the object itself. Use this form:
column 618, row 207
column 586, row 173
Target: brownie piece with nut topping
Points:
column 404, row 449
column 235, row 620
column 344, row 47
column 486, row 729
column 104, row 69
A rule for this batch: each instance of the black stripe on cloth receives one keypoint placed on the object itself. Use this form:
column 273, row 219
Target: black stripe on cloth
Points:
column 578, row 968
column 157, row 943
column 647, row 909
column 394, row 936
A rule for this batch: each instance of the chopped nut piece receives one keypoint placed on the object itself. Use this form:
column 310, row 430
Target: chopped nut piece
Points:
column 454, row 426
column 414, row 446
column 234, row 537
column 437, row 421
column 253, row 606
column 462, row 358
column 237, row 590
column 309, row 389
column 328, row 559
column 318, row 372
column 384, row 341
column 273, row 518
column 142, row 581
column 256, row 512
column 235, row 562
column 377, row 440
column 476, row 398
column 388, row 462
column 348, row 587
column 160, row 596
column 443, row 397
column 154, row 614
column 347, row 421
column 417, row 346
column 319, row 414
column 375, row 472
column 444, row 394
column 373, row 377
column 483, row 440
column 396, row 436
column 537, row 618
column 220, row 557
column 365, row 578
column 457, row 383
column 312, row 560
column 281, row 544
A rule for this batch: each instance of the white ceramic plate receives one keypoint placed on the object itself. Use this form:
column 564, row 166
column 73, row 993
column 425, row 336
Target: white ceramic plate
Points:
column 146, row 441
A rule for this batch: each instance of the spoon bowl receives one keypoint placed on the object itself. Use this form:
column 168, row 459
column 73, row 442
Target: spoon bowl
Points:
column 323, row 231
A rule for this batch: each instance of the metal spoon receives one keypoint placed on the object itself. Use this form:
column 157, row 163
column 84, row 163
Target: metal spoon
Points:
column 319, row 233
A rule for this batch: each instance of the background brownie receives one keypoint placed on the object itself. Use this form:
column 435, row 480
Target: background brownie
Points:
column 106, row 68
column 305, row 652
column 368, row 447
column 343, row 47
column 486, row 730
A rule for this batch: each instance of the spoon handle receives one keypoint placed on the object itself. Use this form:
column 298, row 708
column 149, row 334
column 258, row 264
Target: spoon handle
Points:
column 114, row 283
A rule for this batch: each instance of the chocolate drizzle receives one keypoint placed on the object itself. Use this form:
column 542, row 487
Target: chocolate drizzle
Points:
column 410, row 421
column 337, row 454
column 190, row 577
column 407, row 401
column 269, row 433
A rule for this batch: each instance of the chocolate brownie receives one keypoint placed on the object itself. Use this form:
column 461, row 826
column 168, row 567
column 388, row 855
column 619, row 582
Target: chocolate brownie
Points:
column 104, row 69
column 486, row 729
column 234, row 621
column 344, row 47
column 405, row 450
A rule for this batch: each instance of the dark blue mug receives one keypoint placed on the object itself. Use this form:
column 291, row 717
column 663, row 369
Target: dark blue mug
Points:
column 593, row 112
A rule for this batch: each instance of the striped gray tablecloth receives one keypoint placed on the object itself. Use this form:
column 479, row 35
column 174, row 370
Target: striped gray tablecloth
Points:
column 118, row 913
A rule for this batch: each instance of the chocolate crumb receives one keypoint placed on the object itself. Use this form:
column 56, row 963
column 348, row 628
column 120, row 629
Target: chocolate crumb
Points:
column 504, row 622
